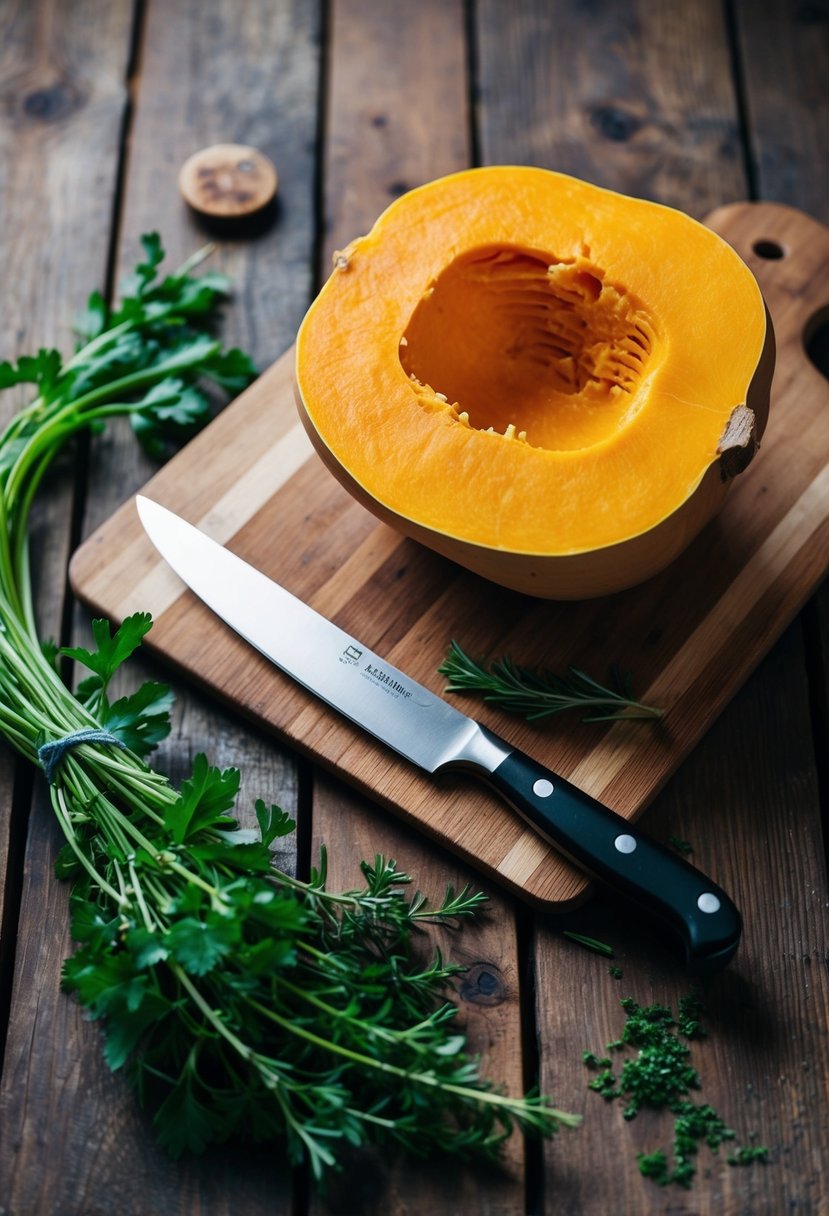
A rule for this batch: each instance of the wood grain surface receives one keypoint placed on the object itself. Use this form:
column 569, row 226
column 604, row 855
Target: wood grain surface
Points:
column 695, row 105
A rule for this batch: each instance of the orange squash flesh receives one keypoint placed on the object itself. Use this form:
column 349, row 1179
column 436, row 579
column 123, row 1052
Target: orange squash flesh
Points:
column 534, row 376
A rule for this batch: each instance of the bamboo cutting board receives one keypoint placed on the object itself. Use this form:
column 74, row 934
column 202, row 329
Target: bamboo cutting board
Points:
column 690, row 636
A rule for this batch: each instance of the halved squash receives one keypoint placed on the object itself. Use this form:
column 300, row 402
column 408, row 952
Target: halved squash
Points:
column 550, row 383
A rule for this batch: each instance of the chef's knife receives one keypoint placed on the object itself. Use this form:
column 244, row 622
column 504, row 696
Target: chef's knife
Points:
column 426, row 730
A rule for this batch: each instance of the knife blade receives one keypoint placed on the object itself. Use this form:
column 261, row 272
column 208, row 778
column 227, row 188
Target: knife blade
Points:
column 432, row 734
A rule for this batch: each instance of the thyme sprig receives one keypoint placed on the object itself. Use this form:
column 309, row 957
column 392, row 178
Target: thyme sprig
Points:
column 236, row 999
column 537, row 693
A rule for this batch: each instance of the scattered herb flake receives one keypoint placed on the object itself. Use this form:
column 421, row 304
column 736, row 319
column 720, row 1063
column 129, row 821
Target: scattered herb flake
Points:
column 661, row 1076
column 748, row 1153
column 589, row 943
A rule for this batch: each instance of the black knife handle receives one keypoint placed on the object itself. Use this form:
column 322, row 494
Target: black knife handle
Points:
column 614, row 851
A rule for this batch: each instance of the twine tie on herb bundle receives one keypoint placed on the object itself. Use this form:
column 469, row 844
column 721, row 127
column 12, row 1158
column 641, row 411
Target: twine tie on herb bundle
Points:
column 52, row 752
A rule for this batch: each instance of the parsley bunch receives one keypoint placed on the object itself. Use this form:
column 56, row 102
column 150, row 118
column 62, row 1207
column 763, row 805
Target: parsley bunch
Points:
column 236, row 998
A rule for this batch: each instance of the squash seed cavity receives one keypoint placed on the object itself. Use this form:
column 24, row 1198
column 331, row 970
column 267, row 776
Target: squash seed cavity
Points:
column 529, row 347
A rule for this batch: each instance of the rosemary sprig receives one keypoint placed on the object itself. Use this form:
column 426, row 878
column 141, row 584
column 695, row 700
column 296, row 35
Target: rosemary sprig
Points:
column 538, row 693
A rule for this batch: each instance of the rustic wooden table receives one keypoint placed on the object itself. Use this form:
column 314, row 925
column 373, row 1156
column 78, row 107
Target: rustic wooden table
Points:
column 694, row 104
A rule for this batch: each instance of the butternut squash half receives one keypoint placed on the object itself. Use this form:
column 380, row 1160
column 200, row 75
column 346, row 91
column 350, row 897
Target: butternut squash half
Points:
column 549, row 383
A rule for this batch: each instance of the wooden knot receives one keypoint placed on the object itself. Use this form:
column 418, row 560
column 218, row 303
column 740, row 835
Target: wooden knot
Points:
column 483, row 984
column 52, row 103
column 615, row 123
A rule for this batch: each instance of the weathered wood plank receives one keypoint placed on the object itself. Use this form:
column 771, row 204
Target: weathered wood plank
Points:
column 628, row 98
column 12, row 835
column 191, row 60
column 396, row 117
column 396, row 108
column 640, row 99
column 613, row 93
column 62, row 80
column 63, row 100
column 784, row 56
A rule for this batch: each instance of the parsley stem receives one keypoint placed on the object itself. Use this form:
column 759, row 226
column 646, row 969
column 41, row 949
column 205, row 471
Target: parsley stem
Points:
column 242, row 1049
column 62, row 812
column 139, row 895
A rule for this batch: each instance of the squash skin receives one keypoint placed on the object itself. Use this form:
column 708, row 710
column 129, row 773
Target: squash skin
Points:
column 376, row 430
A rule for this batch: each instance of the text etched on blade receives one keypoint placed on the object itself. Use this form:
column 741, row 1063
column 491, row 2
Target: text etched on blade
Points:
column 352, row 655
column 389, row 683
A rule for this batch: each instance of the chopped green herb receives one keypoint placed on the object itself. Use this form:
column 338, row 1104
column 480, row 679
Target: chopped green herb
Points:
column 594, row 1061
column 747, row 1154
column 681, row 846
column 615, row 972
column 661, row 1076
column 654, row 1165
column 689, row 1017
column 536, row 693
column 590, row 943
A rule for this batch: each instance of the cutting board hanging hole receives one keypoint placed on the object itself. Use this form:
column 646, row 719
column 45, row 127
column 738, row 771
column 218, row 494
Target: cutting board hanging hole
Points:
column 771, row 251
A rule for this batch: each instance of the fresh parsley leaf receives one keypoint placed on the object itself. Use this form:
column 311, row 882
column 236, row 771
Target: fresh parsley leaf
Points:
column 147, row 948
column 111, row 649
column 137, row 283
column 233, row 370
column 192, row 297
column 142, row 719
column 93, row 320
column 200, row 944
column 191, row 352
column 182, row 1121
column 106, row 983
column 42, row 369
column 121, row 355
column 124, row 1032
column 67, row 864
column 273, row 821
column 203, row 800
column 169, row 414
column 252, row 856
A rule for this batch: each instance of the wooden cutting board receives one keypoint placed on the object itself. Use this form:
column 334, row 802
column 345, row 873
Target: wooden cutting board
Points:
column 690, row 636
